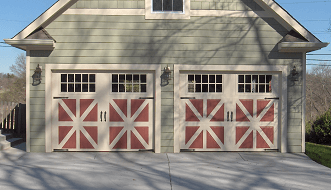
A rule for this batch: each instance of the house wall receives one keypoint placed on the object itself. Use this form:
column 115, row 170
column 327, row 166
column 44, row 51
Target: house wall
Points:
column 232, row 5
column 93, row 39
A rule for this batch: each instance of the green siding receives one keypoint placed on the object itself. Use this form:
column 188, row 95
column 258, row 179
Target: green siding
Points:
column 295, row 111
column 37, row 148
column 37, row 135
column 92, row 39
column 231, row 5
column 37, row 107
column 109, row 4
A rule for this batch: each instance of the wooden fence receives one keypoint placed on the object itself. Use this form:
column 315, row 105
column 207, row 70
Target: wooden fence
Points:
column 13, row 118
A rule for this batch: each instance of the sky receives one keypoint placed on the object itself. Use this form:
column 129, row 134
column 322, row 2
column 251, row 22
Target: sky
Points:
column 15, row 15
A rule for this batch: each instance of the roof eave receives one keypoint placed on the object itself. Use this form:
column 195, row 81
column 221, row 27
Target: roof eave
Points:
column 32, row 44
column 300, row 46
column 46, row 17
column 285, row 19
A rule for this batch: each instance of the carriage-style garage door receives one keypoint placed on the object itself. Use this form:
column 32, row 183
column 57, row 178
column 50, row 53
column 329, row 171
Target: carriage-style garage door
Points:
column 229, row 112
column 94, row 111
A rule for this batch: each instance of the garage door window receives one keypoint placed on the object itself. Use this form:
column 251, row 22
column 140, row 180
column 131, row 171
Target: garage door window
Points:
column 129, row 83
column 205, row 83
column 254, row 83
column 78, row 82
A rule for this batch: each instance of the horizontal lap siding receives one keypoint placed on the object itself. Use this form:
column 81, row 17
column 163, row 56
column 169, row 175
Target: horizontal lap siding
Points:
column 294, row 130
column 232, row 5
column 109, row 4
column 37, row 108
column 132, row 39
column 92, row 39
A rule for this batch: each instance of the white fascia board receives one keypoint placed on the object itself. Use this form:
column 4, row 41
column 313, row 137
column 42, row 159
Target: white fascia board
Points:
column 286, row 19
column 43, row 18
column 32, row 44
column 300, row 46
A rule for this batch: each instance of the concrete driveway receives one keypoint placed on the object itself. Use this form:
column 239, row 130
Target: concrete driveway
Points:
column 146, row 170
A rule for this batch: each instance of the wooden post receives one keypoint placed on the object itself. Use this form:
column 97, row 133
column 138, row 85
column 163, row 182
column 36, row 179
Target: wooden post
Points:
column 16, row 127
column 7, row 115
column 23, row 118
column 1, row 109
column 12, row 116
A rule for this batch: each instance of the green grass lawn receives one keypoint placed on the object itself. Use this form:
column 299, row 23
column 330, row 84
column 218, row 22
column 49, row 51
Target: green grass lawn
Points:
column 319, row 153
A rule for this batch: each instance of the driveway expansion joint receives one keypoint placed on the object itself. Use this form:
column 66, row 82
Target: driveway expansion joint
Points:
column 242, row 157
column 169, row 169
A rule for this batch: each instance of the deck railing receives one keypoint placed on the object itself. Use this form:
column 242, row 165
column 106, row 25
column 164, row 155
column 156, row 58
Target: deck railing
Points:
column 12, row 116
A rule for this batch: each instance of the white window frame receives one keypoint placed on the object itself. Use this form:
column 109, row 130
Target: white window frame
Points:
column 150, row 14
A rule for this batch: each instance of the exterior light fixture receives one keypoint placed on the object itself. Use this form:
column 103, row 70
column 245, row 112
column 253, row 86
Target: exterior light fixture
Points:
column 167, row 73
column 37, row 76
column 294, row 74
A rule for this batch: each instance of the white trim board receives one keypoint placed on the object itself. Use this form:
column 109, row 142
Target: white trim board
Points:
column 32, row 44
column 102, row 67
column 304, row 81
column 235, row 68
column 27, row 115
column 214, row 13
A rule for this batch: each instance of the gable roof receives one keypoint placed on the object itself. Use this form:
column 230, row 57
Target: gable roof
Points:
column 285, row 19
column 270, row 6
column 45, row 18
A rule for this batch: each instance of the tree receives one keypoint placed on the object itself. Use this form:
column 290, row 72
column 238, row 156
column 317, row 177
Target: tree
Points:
column 19, row 68
column 13, row 85
column 318, row 92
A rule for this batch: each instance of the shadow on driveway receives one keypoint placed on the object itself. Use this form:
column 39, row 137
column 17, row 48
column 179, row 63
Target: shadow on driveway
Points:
column 147, row 170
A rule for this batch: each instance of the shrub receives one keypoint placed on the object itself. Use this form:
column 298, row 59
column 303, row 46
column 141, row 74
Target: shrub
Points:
column 321, row 129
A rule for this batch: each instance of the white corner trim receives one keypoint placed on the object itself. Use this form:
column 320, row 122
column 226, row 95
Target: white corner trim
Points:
column 176, row 109
column 287, row 18
column 105, row 12
column 48, row 14
column 224, row 13
column 48, row 112
column 157, row 114
column 284, row 109
column 304, row 72
column 27, row 77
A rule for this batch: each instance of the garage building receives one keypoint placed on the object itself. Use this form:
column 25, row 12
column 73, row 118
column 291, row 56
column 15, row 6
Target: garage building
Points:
column 166, row 76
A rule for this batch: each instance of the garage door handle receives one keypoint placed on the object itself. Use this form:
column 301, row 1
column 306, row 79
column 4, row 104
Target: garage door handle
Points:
column 101, row 116
column 146, row 98
column 271, row 98
column 60, row 97
column 188, row 98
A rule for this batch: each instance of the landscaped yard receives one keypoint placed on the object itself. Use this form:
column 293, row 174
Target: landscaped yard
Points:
column 319, row 153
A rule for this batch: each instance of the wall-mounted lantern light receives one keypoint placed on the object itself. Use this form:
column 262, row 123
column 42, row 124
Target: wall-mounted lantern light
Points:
column 294, row 74
column 167, row 73
column 37, row 76
column 166, row 76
